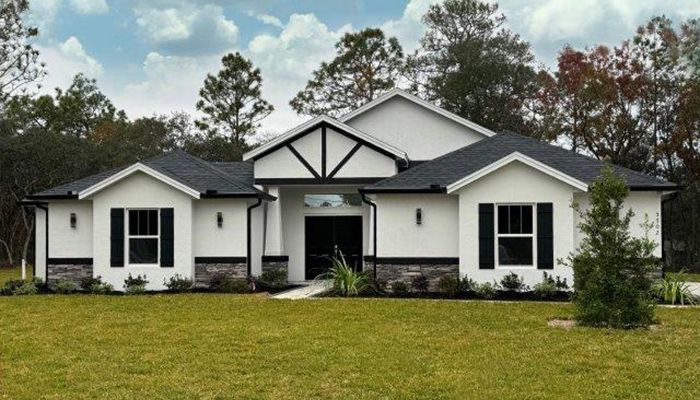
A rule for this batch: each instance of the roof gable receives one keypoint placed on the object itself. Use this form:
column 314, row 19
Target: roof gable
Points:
column 416, row 100
column 313, row 124
column 138, row 167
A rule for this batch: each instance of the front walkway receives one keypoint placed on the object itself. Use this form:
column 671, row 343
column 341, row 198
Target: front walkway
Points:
column 309, row 289
column 694, row 288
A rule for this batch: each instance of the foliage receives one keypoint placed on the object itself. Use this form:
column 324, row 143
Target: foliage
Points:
column 19, row 65
column 399, row 288
column 485, row 290
column 366, row 64
column 95, row 285
column 545, row 289
column 449, row 285
column 135, row 285
column 64, row 286
column 419, row 283
column 273, row 278
column 178, row 284
column 611, row 268
column 673, row 288
column 513, row 282
column 10, row 286
column 225, row 283
column 466, row 284
column 346, row 281
column 231, row 100
column 470, row 63
column 28, row 287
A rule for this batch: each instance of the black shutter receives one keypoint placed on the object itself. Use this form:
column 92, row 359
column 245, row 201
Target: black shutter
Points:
column 486, row 243
column 166, row 237
column 116, row 237
column 545, row 236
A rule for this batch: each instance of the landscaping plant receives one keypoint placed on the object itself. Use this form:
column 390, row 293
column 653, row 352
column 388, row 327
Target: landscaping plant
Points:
column 273, row 278
column 64, row 286
column 18, row 287
column 227, row 284
column 178, row 284
column 673, row 288
column 135, row 285
column 346, row 281
column 449, row 285
column 611, row 268
column 399, row 288
column 419, row 283
column 513, row 282
column 485, row 290
column 95, row 285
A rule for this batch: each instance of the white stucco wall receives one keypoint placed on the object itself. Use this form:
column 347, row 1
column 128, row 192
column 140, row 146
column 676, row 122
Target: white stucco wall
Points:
column 293, row 225
column 256, row 239
column 67, row 242
column 418, row 131
column 515, row 183
column 280, row 163
column 400, row 236
column 211, row 241
column 643, row 204
column 142, row 191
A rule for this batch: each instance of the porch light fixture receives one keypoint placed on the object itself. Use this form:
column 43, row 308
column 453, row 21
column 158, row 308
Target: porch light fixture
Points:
column 419, row 216
column 219, row 219
column 73, row 220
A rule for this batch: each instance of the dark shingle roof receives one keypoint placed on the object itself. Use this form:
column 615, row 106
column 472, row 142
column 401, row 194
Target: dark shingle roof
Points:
column 210, row 179
column 437, row 174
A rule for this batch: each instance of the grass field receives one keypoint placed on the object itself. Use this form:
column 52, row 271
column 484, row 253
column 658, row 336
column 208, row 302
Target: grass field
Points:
column 208, row 346
column 13, row 273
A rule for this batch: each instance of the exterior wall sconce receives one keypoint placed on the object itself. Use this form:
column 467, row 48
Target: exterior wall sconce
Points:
column 73, row 220
column 219, row 219
column 419, row 216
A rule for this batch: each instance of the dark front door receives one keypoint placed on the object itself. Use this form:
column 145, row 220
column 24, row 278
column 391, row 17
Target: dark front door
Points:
column 326, row 236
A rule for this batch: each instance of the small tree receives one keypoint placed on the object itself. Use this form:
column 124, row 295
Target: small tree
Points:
column 611, row 268
column 232, row 100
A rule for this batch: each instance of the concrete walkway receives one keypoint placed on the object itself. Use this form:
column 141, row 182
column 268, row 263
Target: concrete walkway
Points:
column 695, row 288
column 309, row 289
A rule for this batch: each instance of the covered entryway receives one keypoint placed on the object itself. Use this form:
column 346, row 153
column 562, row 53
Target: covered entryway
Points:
column 326, row 236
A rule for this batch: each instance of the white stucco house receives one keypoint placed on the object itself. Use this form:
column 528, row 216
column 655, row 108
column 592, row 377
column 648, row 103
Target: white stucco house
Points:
column 399, row 185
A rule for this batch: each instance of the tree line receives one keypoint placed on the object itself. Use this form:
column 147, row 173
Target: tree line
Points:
column 636, row 104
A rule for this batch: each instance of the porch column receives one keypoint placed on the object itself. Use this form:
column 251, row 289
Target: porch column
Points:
column 273, row 227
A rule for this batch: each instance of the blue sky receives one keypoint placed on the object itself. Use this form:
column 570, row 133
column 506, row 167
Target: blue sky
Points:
column 151, row 56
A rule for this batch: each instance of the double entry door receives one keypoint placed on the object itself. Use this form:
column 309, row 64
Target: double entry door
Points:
column 328, row 236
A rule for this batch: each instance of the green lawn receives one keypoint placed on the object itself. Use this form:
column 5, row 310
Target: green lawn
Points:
column 13, row 273
column 208, row 346
column 693, row 277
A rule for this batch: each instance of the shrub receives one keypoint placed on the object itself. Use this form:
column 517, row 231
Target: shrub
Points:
column 545, row 289
column 274, row 278
column 485, row 290
column 399, row 288
column 419, row 283
column 449, row 285
column 224, row 283
column 611, row 268
column 346, row 281
column 512, row 282
column 674, row 289
column 10, row 286
column 466, row 284
column 178, row 284
column 28, row 287
column 135, row 285
column 95, row 285
column 64, row 286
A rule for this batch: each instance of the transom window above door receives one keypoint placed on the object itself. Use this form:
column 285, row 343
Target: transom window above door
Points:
column 331, row 200
column 515, row 236
column 143, row 235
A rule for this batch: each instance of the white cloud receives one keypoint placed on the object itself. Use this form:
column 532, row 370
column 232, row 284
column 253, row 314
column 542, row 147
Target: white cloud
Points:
column 64, row 61
column 287, row 60
column 172, row 84
column 267, row 19
column 556, row 19
column 409, row 28
column 89, row 6
column 185, row 28
column 42, row 14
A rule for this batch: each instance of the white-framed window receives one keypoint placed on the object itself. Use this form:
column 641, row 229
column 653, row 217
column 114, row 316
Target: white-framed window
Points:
column 515, row 235
column 143, row 238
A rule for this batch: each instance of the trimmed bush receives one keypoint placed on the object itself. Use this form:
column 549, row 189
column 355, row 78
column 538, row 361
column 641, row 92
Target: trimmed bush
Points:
column 178, row 284
column 95, row 285
column 545, row 289
column 10, row 286
column 135, row 285
column 64, row 286
column 224, row 283
column 485, row 290
column 419, row 283
column 449, row 285
column 513, row 282
column 399, row 288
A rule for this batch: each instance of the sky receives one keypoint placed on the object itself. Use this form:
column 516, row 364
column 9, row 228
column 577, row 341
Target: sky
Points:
column 151, row 56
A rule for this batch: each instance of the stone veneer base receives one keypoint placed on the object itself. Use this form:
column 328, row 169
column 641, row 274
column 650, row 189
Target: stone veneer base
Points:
column 70, row 272
column 203, row 272
column 406, row 272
